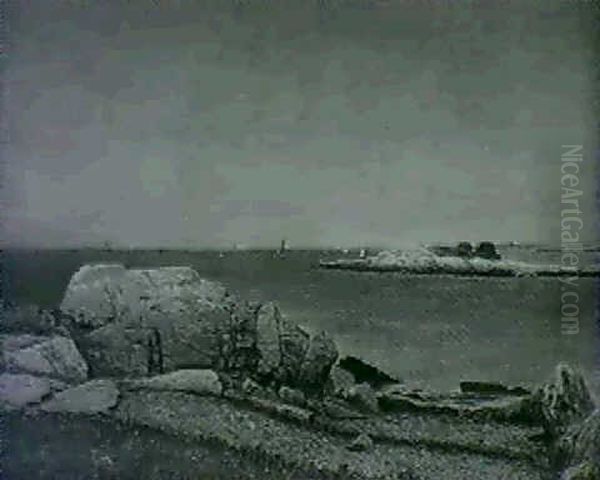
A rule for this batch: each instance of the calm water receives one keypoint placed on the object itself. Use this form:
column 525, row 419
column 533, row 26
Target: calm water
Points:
column 428, row 330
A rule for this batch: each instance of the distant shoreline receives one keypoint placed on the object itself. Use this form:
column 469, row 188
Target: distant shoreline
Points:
column 364, row 266
column 540, row 247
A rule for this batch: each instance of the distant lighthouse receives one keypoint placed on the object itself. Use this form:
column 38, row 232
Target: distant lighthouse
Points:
column 283, row 247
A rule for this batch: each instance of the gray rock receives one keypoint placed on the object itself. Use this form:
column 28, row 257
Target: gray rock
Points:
column 267, row 339
column 339, row 382
column 92, row 295
column 320, row 356
column 101, row 294
column 292, row 396
column 363, row 397
column 169, row 317
column 95, row 396
column 563, row 401
column 579, row 449
column 200, row 382
column 293, row 340
column 55, row 357
column 19, row 390
column 362, row 443
column 118, row 350
column 147, row 322
column 281, row 345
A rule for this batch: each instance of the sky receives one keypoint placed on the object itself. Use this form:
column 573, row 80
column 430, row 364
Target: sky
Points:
column 329, row 123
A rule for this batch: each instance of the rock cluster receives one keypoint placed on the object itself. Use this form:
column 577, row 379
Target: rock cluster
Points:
column 153, row 321
column 168, row 349
column 155, row 329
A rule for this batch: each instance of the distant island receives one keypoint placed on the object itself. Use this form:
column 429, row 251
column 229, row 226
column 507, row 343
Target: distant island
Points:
column 460, row 259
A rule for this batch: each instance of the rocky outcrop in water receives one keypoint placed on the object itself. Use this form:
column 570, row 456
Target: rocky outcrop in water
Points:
column 425, row 262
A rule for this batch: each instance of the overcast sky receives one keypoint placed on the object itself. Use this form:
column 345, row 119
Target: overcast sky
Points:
column 204, row 124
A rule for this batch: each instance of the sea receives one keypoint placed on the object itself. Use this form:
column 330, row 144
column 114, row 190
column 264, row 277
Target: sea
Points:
column 430, row 331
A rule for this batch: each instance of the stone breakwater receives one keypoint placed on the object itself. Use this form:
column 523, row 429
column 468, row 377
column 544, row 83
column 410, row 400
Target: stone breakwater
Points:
column 425, row 262
column 165, row 350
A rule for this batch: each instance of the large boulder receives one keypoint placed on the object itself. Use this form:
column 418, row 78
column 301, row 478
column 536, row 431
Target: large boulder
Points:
column 55, row 357
column 281, row 346
column 147, row 321
column 106, row 293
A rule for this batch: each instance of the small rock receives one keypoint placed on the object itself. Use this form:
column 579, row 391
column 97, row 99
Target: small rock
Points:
column 363, row 397
column 200, row 382
column 292, row 396
column 95, row 396
column 250, row 387
column 56, row 357
column 362, row 443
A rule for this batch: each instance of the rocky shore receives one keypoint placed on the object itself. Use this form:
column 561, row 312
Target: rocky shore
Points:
column 425, row 262
column 137, row 366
